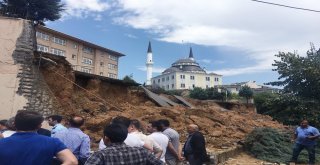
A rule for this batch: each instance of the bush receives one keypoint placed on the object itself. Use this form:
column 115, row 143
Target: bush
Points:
column 198, row 93
column 273, row 146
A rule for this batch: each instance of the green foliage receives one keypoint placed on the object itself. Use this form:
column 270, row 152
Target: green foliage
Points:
column 198, row 93
column 271, row 145
column 246, row 92
column 263, row 101
column 299, row 75
column 128, row 79
column 36, row 10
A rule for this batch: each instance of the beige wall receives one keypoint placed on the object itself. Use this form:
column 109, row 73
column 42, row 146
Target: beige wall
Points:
column 10, row 102
column 97, row 57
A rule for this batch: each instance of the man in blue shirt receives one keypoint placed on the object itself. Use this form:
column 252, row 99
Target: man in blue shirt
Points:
column 77, row 141
column 305, row 137
column 29, row 148
column 55, row 122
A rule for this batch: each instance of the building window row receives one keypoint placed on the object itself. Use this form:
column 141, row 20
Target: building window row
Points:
column 42, row 48
column 86, row 70
column 216, row 79
column 87, row 61
column 111, row 75
column 59, row 41
column 191, row 77
column 43, row 36
column 182, row 76
column 112, row 66
column 182, row 85
column 113, row 58
column 58, row 52
column 88, row 50
column 207, row 78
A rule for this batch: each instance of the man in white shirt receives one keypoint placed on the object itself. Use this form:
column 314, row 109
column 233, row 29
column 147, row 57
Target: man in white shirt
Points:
column 131, row 140
column 11, row 129
column 136, row 129
column 156, row 134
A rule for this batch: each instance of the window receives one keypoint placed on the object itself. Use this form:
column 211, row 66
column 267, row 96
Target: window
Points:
column 42, row 36
column 113, row 58
column 207, row 86
column 87, row 61
column 182, row 85
column 182, row 77
column 167, row 78
column 172, row 86
column 111, row 75
column 101, row 64
column 158, row 80
column 74, row 67
column 75, row 46
column 59, row 41
column 193, row 85
column 58, row 52
column 74, row 56
column 191, row 77
column 112, row 66
column 163, row 79
column 216, row 79
column 88, row 50
column 101, row 73
column 42, row 48
column 172, row 77
column 207, row 78
column 167, row 86
column 86, row 70
column 154, row 81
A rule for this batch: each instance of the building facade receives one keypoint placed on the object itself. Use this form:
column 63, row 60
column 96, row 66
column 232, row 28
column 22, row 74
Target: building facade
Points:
column 236, row 87
column 83, row 56
column 186, row 74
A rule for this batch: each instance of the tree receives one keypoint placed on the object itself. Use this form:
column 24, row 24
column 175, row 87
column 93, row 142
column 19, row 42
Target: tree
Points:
column 299, row 75
column 36, row 10
column 246, row 92
column 198, row 93
column 263, row 100
column 128, row 79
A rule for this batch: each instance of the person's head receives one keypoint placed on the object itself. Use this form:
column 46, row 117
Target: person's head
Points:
column 10, row 124
column 3, row 124
column 28, row 121
column 192, row 128
column 122, row 121
column 54, row 119
column 76, row 121
column 164, row 124
column 135, row 125
column 115, row 133
column 156, row 126
column 304, row 123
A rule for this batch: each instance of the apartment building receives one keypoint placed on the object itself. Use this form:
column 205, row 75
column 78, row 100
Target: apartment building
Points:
column 83, row 56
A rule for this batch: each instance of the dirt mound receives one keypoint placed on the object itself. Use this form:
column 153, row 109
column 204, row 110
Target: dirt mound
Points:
column 224, row 124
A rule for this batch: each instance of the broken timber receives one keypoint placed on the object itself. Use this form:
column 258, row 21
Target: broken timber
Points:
column 168, row 101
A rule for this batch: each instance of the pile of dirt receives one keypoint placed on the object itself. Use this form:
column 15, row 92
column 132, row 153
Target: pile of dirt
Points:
column 223, row 124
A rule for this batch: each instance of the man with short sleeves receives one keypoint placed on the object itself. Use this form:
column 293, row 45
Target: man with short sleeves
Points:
column 55, row 122
column 155, row 129
column 29, row 148
column 77, row 141
column 305, row 138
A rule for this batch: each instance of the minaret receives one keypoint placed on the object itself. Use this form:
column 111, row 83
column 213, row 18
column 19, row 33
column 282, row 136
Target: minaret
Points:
column 191, row 54
column 149, row 65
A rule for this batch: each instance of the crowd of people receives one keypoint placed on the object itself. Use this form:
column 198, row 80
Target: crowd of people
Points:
column 124, row 141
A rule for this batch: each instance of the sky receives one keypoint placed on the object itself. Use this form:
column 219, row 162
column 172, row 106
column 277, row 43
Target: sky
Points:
column 235, row 38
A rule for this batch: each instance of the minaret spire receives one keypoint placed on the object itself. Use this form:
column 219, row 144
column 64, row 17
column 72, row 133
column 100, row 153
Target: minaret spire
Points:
column 191, row 54
column 149, row 64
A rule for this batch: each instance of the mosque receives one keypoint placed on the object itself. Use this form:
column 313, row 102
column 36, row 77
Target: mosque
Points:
column 183, row 74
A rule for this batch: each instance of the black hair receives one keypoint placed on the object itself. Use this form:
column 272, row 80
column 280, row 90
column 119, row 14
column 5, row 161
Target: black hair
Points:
column 121, row 120
column 57, row 118
column 3, row 122
column 157, row 125
column 76, row 123
column 28, row 120
column 164, row 122
column 116, row 133
column 136, row 123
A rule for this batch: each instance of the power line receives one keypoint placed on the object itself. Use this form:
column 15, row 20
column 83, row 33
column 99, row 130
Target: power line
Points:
column 292, row 7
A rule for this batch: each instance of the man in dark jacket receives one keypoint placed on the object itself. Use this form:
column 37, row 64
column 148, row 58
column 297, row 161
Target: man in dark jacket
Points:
column 195, row 146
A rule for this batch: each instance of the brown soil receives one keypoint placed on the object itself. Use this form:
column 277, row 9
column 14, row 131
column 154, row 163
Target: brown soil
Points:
column 223, row 124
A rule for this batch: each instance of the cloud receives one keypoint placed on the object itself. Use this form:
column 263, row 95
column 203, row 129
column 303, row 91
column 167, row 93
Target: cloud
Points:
column 260, row 30
column 154, row 69
column 85, row 8
column 131, row 36
column 206, row 61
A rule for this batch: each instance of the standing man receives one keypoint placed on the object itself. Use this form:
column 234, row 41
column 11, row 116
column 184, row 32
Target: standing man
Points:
column 117, row 152
column 305, row 138
column 154, row 128
column 3, row 126
column 77, row 141
column 195, row 146
column 54, row 121
column 29, row 148
column 172, row 154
